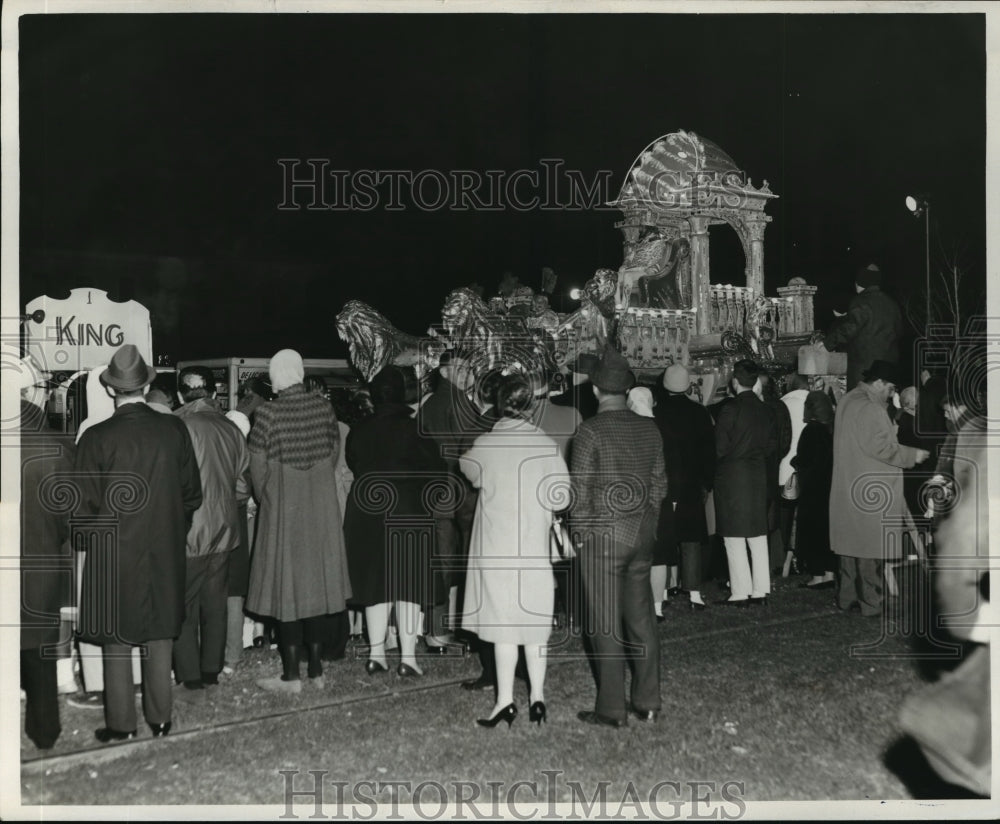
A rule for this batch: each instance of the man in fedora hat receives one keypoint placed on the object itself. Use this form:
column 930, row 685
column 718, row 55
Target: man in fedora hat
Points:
column 867, row 459
column 139, row 477
column 619, row 482
column 872, row 328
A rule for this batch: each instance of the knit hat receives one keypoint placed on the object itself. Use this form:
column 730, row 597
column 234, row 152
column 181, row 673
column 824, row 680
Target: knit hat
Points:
column 677, row 379
column 286, row 369
column 640, row 401
column 612, row 373
column 871, row 275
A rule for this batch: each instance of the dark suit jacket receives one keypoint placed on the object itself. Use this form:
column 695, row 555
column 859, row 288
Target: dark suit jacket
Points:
column 46, row 500
column 140, row 475
column 746, row 436
column 871, row 331
column 689, row 451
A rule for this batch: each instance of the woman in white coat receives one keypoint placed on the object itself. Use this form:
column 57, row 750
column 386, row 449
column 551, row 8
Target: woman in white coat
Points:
column 509, row 590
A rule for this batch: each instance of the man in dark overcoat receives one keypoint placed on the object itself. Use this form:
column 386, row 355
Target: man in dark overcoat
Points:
column 746, row 438
column 872, row 329
column 689, row 452
column 140, row 486
column 46, row 561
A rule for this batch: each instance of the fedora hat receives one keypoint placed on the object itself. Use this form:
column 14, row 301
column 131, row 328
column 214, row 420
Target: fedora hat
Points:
column 612, row 373
column 677, row 379
column 128, row 371
column 883, row 370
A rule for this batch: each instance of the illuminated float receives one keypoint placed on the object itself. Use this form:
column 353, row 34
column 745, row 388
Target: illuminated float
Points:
column 660, row 307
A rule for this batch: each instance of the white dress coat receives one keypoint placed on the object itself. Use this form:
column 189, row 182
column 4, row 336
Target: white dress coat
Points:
column 521, row 478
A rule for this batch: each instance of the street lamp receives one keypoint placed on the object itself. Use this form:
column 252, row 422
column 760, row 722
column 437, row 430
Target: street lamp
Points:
column 919, row 205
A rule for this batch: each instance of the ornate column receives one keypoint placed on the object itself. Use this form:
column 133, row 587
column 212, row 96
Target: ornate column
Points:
column 700, row 274
column 755, row 265
column 802, row 303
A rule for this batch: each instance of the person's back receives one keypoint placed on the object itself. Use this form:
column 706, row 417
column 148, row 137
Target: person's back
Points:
column 879, row 338
column 223, row 463
column 687, row 431
column 740, row 431
column 138, row 474
column 622, row 450
column 872, row 329
column 619, row 482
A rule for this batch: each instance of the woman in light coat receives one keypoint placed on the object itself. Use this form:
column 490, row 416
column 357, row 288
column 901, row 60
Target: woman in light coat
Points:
column 509, row 591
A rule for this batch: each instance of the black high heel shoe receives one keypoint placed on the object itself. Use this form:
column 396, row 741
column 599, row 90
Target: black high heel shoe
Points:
column 406, row 671
column 536, row 712
column 373, row 667
column 508, row 714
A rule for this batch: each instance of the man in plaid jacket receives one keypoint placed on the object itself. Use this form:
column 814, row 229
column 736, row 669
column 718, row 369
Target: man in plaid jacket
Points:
column 619, row 481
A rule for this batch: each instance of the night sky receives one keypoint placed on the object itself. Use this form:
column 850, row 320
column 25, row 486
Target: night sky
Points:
column 150, row 148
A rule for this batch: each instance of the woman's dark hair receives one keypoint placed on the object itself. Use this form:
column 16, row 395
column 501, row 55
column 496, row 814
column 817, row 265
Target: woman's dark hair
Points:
column 259, row 386
column 819, row 408
column 514, row 395
column 388, row 386
column 487, row 386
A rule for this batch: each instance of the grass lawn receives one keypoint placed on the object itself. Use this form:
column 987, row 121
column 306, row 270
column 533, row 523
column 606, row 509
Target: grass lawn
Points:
column 771, row 698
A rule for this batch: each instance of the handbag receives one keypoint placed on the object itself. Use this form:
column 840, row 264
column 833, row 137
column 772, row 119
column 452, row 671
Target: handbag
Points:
column 790, row 491
column 560, row 541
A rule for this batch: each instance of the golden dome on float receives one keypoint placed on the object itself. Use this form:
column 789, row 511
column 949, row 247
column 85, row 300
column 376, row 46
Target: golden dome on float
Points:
column 669, row 167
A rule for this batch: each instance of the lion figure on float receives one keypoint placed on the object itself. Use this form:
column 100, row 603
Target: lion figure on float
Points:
column 494, row 340
column 374, row 342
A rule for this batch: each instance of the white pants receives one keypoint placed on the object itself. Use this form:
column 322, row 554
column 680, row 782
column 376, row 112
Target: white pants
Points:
column 741, row 582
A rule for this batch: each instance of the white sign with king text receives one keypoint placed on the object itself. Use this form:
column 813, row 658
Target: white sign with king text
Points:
column 85, row 330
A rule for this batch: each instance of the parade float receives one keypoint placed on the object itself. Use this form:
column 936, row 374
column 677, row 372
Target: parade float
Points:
column 658, row 308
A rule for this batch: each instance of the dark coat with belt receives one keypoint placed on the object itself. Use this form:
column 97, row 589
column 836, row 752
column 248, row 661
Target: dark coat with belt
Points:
column 689, row 452
column 871, row 331
column 746, row 437
column 386, row 451
column 139, row 475
column 46, row 499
